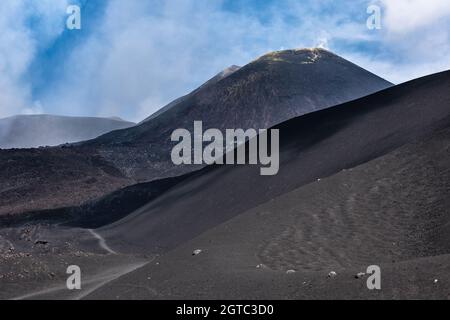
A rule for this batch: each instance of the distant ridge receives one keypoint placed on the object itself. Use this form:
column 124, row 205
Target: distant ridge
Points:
column 30, row 131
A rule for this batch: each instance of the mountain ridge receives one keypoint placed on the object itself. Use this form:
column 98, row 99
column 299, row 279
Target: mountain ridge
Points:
column 31, row 131
column 258, row 95
column 349, row 134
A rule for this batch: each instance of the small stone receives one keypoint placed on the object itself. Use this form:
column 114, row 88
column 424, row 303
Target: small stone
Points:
column 196, row 252
column 436, row 280
column 360, row 275
column 290, row 271
column 332, row 274
column 41, row 242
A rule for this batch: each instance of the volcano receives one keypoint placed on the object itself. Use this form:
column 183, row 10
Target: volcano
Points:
column 276, row 87
column 360, row 184
column 267, row 91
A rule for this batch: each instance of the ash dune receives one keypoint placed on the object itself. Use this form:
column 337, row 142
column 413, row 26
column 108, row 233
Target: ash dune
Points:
column 390, row 211
column 31, row 131
column 358, row 185
column 269, row 90
column 312, row 147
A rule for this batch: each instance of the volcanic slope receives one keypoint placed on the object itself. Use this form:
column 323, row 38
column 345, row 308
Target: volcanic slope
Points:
column 312, row 147
column 375, row 191
column 391, row 211
column 273, row 88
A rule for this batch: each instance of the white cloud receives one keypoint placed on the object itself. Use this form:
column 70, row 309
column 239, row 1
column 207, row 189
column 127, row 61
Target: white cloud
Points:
column 414, row 40
column 18, row 45
column 142, row 54
column 406, row 16
column 396, row 72
column 145, row 54
column 36, row 108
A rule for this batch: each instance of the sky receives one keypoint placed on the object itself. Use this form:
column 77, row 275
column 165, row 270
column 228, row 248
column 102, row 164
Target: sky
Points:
column 132, row 57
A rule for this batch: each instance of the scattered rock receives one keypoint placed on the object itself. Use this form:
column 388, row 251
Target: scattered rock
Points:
column 41, row 242
column 332, row 274
column 290, row 271
column 196, row 252
column 260, row 266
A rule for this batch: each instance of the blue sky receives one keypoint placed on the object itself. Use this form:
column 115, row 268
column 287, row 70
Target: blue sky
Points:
column 132, row 57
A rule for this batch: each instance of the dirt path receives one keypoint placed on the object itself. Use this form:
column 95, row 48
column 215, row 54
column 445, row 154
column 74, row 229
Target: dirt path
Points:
column 102, row 242
column 88, row 285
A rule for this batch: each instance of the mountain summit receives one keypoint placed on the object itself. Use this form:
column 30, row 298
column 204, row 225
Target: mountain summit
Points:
column 274, row 88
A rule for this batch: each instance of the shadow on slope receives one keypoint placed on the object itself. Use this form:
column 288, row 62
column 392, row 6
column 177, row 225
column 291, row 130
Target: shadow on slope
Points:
column 313, row 146
column 391, row 211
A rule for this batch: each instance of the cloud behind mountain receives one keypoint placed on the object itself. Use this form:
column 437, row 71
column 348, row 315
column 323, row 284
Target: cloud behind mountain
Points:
column 133, row 57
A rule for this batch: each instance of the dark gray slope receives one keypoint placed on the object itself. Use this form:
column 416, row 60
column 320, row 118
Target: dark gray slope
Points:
column 391, row 211
column 272, row 89
column 313, row 146
column 30, row 131
column 221, row 75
